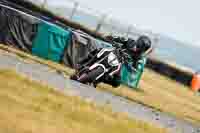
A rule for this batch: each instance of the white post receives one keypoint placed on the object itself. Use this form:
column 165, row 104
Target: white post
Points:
column 44, row 3
column 128, row 30
column 100, row 22
column 76, row 4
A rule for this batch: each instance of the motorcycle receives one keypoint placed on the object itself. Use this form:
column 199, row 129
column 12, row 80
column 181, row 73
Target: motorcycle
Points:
column 104, row 66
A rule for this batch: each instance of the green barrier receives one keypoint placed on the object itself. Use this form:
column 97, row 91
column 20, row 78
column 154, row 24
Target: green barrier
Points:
column 50, row 41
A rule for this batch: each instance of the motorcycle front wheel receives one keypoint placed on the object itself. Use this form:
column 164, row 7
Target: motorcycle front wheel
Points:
column 91, row 76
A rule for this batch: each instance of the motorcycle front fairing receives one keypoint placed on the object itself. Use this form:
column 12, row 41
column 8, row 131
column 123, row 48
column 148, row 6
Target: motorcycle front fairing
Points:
column 108, row 61
column 96, row 59
column 101, row 63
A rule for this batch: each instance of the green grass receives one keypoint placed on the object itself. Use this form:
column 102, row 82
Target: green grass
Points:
column 31, row 107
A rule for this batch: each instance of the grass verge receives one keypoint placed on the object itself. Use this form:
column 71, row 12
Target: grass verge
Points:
column 162, row 94
column 156, row 91
column 30, row 107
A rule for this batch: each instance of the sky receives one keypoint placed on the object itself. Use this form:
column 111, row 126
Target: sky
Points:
column 176, row 18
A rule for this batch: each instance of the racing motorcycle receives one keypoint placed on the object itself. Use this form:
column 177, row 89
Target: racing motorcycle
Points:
column 104, row 65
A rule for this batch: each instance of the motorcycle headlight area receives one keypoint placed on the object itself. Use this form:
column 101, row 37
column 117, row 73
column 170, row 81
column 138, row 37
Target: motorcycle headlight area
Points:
column 113, row 60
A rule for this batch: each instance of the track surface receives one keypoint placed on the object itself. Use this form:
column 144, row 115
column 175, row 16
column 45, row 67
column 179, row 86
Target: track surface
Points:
column 134, row 110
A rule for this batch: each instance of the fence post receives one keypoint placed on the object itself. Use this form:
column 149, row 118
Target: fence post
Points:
column 100, row 22
column 43, row 4
column 128, row 30
column 76, row 4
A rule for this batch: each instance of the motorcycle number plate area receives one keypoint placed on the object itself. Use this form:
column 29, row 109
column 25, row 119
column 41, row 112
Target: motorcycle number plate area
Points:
column 112, row 59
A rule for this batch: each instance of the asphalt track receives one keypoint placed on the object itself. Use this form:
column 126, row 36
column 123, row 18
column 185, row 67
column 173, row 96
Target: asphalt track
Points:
column 40, row 72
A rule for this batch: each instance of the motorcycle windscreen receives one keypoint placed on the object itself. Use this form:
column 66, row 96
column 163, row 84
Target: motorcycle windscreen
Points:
column 132, row 78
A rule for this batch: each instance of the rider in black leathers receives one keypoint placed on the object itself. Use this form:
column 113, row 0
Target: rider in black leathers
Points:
column 135, row 48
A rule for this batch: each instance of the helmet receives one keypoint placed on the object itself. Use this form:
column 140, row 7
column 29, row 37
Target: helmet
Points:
column 143, row 45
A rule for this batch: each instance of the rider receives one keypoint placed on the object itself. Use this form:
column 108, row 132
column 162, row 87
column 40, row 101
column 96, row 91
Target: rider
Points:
column 137, row 50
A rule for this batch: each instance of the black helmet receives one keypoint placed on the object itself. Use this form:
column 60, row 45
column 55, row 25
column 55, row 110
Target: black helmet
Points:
column 143, row 45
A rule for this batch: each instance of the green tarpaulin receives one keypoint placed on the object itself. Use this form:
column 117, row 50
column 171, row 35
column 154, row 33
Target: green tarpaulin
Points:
column 50, row 42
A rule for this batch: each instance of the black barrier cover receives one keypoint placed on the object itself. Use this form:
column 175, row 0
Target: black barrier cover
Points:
column 16, row 29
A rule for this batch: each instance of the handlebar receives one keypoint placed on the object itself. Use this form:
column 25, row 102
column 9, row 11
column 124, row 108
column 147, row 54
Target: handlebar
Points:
column 116, row 44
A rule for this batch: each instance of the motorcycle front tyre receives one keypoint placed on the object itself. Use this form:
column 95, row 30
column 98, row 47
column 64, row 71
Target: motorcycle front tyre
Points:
column 115, row 81
column 91, row 76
